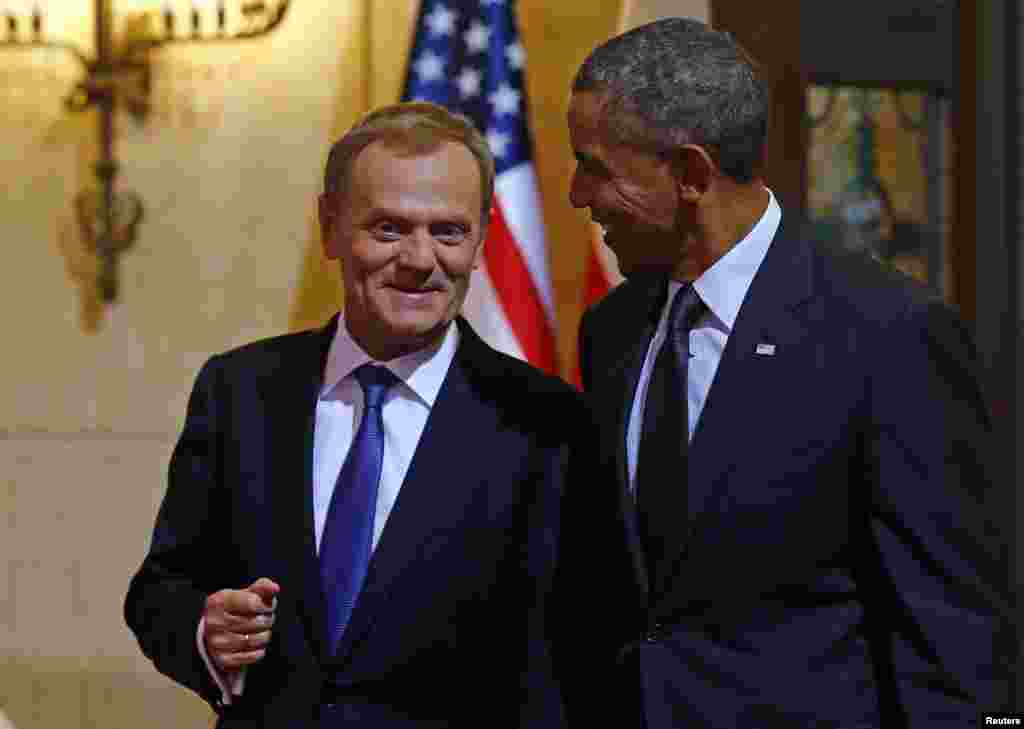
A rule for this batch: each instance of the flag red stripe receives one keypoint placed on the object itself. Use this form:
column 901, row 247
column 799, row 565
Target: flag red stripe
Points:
column 595, row 286
column 518, row 296
column 597, row 283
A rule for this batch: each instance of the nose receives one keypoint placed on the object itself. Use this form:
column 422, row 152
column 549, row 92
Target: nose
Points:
column 580, row 192
column 417, row 251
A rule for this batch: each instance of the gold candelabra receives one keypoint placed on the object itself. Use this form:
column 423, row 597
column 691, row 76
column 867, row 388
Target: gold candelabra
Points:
column 118, row 74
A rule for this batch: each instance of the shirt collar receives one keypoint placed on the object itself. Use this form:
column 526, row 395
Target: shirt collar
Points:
column 724, row 286
column 422, row 371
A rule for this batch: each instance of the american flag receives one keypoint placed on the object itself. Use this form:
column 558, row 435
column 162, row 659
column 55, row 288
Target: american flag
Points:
column 467, row 56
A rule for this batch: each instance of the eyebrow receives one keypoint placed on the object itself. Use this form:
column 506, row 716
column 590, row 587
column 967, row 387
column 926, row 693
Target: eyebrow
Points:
column 435, row 217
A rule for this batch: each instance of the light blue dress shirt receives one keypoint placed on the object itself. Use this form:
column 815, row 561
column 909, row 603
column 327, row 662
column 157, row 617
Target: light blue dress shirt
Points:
column 722, row 288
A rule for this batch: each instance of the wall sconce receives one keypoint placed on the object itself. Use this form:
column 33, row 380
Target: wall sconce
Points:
column 119, row 74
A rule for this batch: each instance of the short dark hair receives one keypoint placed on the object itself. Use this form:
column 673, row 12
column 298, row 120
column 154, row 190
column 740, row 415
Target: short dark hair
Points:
column 676, row 81
column 418, row 127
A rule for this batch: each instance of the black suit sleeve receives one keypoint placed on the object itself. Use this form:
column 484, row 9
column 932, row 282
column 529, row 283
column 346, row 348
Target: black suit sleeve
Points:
column 591, row 610
column 540, row 704
column 585, row 352
column 939, row 578
column 167, row 595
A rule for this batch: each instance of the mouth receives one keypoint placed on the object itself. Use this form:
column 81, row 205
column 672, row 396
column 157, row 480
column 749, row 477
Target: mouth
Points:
column 415, row 289
column 413, row 295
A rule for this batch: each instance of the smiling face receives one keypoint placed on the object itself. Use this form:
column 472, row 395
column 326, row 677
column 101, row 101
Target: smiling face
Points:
column 630, row 193
column 408, row 232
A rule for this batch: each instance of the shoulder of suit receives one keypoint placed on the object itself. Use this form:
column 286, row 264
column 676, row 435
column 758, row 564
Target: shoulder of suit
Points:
column 633, row 293
column 871, row 289
column 274, row 348
column 512, row 376
column 518, row 388
column 889, row 312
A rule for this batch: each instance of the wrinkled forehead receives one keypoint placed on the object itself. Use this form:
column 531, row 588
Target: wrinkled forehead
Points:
column 597, row 122
column 395, row 158
column 398, row 179
column 413, row 142
column 587, row 118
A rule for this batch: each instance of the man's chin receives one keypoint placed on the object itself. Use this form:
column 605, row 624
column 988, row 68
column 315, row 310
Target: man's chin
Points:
column 411, row 334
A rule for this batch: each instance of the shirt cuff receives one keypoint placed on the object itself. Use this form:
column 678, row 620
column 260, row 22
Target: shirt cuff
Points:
column 230, row 683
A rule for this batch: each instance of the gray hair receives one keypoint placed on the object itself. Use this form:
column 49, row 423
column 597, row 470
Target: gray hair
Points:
column 417, row 127
column 676, row 81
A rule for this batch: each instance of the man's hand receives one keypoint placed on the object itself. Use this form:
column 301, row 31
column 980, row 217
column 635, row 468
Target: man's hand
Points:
column 238, row 624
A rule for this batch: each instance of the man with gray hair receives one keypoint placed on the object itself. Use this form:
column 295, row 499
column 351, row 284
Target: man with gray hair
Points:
column 793, row 532
column 359, row 525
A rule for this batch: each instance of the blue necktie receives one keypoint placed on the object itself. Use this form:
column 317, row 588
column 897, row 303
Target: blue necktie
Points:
column 348, row 531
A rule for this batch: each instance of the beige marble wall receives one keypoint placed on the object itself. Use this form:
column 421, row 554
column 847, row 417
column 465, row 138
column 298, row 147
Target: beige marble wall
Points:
column 638, row 12
column 78, row 514
column 90, row 401
column 228, row 166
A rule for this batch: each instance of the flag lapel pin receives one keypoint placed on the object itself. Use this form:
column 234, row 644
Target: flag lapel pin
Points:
column 767, row 350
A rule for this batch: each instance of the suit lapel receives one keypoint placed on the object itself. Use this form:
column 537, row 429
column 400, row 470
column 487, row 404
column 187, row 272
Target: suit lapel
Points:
column 625, row 375
column 772, row 314
column 290, row 399
column 432, row 496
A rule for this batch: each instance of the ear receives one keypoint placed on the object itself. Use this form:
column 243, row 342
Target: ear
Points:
column 478, row 255
column 694, row 171
column 328, row 216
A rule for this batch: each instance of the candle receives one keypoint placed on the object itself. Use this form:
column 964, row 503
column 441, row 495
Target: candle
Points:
column 11, row 11
column 199, row 9
column 168, row 20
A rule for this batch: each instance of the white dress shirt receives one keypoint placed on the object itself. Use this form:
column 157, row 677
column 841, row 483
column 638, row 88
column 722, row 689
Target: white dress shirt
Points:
column 339, row 410
column 722, row 288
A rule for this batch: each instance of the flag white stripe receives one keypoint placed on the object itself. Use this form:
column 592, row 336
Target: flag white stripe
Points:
column 484, row 312
column 516, row 190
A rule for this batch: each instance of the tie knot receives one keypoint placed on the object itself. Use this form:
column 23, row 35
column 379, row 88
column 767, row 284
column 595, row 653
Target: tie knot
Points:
column 686, row 309
column 375, row 382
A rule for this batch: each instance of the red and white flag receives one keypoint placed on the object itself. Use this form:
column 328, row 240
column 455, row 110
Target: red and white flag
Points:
column 467, row 56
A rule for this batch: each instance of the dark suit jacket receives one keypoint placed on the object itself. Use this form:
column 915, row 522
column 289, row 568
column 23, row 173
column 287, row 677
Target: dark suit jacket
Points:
column 836, row 566
column 450, row 621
